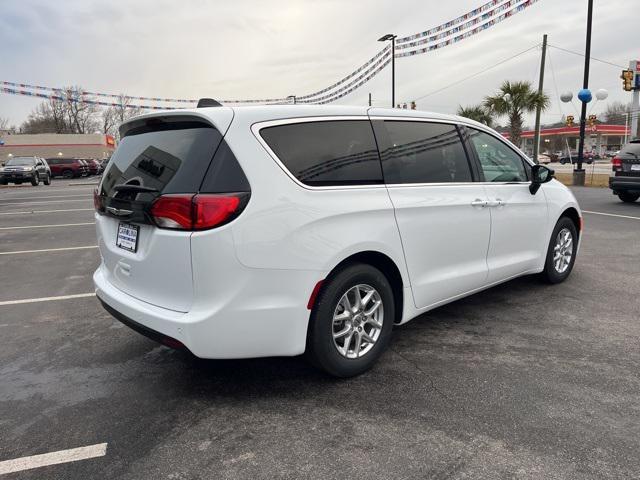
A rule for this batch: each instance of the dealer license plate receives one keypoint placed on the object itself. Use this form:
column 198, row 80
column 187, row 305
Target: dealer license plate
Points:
column 128, row 237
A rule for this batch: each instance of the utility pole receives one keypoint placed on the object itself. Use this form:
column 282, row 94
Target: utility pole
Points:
column 536, row 140
column 635, row 104
column 578, row 173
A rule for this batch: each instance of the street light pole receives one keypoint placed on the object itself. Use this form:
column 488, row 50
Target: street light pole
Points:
column 393, row 71
column 385, row 38
column 578, row 174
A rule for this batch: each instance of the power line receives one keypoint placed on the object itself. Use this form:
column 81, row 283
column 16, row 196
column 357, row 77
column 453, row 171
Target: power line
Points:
column 478, row 73
column 592, row 58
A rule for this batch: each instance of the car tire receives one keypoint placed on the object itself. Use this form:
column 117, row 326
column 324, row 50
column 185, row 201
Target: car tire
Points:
column 68, row 174
column 47, row 179
column 3, row 182
column 35, row 180
column 558, row 265
column 351, row 354
column 628, row 197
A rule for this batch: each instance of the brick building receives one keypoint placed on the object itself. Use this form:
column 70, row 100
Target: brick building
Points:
column 49, row 145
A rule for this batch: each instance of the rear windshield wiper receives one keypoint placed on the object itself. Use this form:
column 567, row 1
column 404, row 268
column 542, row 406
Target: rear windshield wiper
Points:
column 134, row 188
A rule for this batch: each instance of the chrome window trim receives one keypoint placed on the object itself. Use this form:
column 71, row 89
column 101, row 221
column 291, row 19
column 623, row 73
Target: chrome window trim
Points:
column 256, row 127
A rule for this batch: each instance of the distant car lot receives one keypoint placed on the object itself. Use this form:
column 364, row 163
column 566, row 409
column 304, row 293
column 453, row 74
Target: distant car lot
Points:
column 519, row 381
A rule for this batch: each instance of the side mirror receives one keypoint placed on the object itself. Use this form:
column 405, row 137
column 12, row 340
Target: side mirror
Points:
column 539, row 175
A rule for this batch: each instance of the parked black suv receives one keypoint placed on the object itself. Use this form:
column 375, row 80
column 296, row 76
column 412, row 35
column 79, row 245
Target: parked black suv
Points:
column 626, row 170
column 25, row 169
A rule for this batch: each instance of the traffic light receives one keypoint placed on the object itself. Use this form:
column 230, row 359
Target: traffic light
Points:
column 627, row 80
column 592, row 120
column 570, row 120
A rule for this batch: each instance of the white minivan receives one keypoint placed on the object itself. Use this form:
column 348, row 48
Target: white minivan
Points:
column 282, row 230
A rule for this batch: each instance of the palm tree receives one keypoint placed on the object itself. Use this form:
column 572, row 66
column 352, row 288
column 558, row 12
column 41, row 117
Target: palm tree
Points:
column 478, row 113
column 513, row 101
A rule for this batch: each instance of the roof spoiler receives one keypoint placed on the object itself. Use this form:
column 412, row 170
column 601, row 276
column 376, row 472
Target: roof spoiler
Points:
column 208, row 102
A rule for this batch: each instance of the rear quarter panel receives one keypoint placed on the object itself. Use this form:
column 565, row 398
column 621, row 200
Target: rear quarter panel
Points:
column 288, row 226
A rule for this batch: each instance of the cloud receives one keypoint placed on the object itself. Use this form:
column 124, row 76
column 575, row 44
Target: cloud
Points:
column 269, row 48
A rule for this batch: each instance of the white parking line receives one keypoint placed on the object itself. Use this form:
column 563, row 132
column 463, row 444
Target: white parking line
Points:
column 53, row 458
column 2, row 204
column 50, row 196
column 48, row 211
column 47, row 226
column 46, row 299
column 611, row 215
column 49, row 250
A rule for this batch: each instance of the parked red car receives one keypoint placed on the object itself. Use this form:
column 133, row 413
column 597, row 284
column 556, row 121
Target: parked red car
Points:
column 67, row 167
column 94, row 166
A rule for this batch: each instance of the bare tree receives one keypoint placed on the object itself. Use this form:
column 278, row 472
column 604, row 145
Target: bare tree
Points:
column 616, row 113
column 4, row 124
column 109, row 119
column 80, row 114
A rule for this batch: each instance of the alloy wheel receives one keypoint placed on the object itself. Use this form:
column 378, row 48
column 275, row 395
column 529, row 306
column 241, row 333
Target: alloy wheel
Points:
column 563, row 250
column 357, row 321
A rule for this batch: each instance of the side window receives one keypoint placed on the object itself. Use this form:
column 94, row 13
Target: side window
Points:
column 323, row 153
column 423, row 152
column 498, row 161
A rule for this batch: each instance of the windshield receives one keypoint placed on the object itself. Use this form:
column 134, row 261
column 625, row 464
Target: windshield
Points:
column 20, row 161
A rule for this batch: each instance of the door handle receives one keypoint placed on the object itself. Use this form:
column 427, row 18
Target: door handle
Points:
column 479, row 203
column 496, row 203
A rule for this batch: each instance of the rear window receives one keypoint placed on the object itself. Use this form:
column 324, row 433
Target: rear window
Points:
column 631, row 149
column 169, row 155
column 327, row 153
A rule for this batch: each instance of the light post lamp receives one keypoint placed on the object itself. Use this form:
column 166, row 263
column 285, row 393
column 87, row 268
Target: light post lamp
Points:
column 585, row 96
column 386, row 38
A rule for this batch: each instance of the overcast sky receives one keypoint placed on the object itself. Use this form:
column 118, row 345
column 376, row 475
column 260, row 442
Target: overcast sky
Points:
column 268, row 48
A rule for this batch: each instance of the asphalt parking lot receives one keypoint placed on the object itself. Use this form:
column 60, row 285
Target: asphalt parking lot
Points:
column 524, row 380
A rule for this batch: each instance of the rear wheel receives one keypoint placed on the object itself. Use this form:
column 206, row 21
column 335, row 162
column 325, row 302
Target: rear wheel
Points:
column 67, row 174
column 628, row 197
column 35, row 180
column 561, row 254
column 351, row 323
column 47, row 179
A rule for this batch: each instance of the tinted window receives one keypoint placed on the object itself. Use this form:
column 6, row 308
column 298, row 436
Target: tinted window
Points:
column 341, row 152
column 498, row 161
column 225, row 174
column 169, row 156
column 631, row 149
column 423, row 152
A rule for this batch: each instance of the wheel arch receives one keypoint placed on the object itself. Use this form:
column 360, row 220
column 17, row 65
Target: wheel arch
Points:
column 572, row 214
column 387, row 266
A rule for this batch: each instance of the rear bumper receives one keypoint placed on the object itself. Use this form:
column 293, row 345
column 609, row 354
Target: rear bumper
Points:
column 265, row 317
column 624, row 184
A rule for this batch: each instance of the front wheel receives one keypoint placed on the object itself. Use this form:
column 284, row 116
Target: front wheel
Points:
column 561, row 254
column 351, row 323
column 628, row 197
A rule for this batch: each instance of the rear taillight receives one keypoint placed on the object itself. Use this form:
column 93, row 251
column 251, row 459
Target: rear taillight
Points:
column 616, row 164
column 97, row 202
column 196, row 212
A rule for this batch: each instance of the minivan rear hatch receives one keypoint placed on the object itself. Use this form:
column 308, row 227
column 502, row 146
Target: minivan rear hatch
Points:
column 158, row 155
